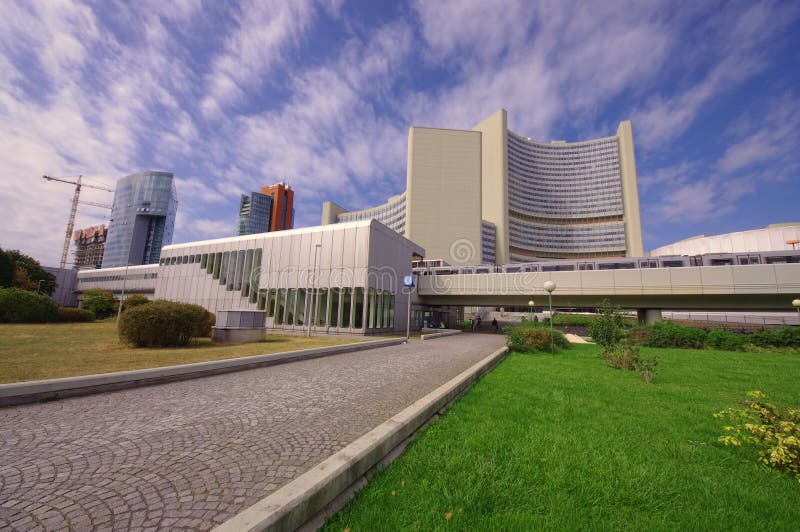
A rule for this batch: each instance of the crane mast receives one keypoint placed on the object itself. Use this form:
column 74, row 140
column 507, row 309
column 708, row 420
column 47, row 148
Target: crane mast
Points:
column 73, row 211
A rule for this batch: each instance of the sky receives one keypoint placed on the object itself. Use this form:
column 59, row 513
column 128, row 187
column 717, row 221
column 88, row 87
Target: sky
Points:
column 230, row 96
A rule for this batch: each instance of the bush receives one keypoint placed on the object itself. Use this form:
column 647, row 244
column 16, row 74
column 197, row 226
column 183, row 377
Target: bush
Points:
column 725, row 340
column 165, row 324
column 624, row 355
column 775, row 431
column 577, row 320
column 23, row 306
column 100, row 302
column 667, row 334
column 783, row 337
column 529, row 339
column 607, row 328
column 66, row 314
column 134, row 301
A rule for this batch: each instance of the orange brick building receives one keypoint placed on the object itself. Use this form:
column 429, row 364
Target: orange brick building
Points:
column 282, row 206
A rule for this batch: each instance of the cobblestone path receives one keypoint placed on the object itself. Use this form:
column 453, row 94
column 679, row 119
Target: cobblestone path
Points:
column 189, row 455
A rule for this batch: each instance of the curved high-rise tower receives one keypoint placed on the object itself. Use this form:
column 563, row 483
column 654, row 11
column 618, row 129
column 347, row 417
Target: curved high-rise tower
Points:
column 490, row 195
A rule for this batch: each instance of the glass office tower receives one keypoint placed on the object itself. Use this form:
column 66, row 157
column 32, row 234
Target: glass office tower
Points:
column 142, row 219
column 255, row 213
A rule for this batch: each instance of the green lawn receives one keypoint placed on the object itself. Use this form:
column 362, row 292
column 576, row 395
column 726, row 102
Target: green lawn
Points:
column 570, row 443
column 48, row 351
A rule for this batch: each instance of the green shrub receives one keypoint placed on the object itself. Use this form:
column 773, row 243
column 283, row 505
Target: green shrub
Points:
column 775, row 431
column 668, row 334
column 529, row 339
column 165, row 324
column 783, row 337
column 23, row 306
column 625, row 355
column 576, row 320
column 134, row 301
column 101, row 302
column 725, row 340
column 67, row 314
column 607, row 328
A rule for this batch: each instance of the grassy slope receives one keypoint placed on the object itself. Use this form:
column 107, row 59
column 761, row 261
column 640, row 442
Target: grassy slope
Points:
column 32, row 352
column 571, row 443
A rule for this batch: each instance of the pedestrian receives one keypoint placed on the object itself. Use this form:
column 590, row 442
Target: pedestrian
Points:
column 477, row 323
column 495, row 326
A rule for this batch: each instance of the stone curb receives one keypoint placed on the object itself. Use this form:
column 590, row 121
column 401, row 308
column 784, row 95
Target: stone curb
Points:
column 32, row 391
column 301, row 499
column 431, row 336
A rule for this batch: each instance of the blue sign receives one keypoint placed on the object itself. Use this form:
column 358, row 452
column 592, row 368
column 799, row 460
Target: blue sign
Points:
column 409, row 281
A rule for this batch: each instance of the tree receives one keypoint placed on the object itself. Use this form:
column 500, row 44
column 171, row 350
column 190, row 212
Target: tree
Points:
column 101, row 302
column 33, row 273
column 6, row 270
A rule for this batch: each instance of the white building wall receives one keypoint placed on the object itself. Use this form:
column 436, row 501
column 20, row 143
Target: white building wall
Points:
column 771, row 238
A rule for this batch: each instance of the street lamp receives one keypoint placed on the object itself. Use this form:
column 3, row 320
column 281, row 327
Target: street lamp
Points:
column 796, row 304
column 530, row 305
column 550, row 286
column 122, row 297
column 313, row 306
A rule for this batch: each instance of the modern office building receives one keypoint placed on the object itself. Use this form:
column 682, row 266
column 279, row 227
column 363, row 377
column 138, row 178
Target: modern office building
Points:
column 343, row 278
column 255, row 214
column 489, row 195
column 282, row 206
column 142, row 219
column 774, row 237
column 90, row 244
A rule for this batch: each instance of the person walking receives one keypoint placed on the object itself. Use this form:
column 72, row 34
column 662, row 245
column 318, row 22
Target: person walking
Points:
column 495, row 326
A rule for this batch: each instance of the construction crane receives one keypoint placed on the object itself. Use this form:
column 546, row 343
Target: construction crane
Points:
column 75, row 201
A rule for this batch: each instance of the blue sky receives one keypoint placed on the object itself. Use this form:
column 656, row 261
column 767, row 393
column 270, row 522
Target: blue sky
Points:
column 232, row 96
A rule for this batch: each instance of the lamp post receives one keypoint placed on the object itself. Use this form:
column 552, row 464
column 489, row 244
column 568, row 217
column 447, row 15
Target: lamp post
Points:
column 550, row 286
column 796, row 304
column 408, row 282
column 122, row 296
column 530, row 308
column 313, row 305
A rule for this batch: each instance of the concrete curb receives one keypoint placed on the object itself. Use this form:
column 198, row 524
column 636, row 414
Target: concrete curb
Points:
column 431, row 336
column 301, row 499
column 32, row 391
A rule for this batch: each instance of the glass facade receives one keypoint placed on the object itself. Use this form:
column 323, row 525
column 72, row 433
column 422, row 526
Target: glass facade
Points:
column 564, row 199
column 255, row 213
column 142, row 219
column 392, row 214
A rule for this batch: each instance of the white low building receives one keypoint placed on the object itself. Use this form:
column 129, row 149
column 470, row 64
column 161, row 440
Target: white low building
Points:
column 774, row 237
column 342, row 278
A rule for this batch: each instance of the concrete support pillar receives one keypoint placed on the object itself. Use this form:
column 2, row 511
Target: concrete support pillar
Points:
column 649, row 315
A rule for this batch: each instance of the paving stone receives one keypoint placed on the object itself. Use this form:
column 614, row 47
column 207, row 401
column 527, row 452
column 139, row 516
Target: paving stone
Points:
column 194, row 453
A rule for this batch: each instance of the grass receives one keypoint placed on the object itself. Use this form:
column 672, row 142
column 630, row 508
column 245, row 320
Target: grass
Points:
column 570, row 443
column 48, row 351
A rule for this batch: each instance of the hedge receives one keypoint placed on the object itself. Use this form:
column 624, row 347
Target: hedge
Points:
column 23, row 306
column 528, row 339
column 164, row 324
column 68, row 314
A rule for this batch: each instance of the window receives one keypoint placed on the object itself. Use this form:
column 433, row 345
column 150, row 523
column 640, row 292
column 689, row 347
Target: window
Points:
column 334, row 315
column 261, row 304
column 291, row 295
column 216, row 265
column 321, row 312
column 303, row 310
column 358, row 308
column 223, row 277
column 280, row 307
column 346, row 308
column 204, row 261
column 237, row 281
column 254, row 275
column 391, row 311
column 271, row 303
column 386, row 298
